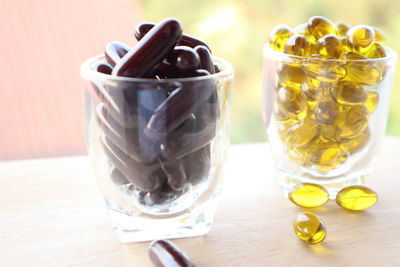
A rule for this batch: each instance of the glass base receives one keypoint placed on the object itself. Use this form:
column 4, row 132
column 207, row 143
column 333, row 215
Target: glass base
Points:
column 142, row 227
column 333, row 185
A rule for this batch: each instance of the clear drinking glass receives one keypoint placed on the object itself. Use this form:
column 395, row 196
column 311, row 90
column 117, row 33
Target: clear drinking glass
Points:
column 158, row 148
column 325, row 118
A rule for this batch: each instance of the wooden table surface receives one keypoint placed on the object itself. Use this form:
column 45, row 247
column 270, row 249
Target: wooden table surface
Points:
column 52, row 214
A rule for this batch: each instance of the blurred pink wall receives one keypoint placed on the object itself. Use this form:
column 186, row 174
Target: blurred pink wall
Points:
column 42, row 44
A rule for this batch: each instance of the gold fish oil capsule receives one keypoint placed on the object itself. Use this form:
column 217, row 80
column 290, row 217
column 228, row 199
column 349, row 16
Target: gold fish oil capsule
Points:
column 356, row 197
column 308, row 195
column 309, row 228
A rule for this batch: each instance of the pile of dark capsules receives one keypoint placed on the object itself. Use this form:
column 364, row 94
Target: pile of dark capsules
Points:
column 157, row 133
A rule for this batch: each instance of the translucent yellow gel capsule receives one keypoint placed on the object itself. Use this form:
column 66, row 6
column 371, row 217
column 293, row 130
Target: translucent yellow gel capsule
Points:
column 308, row 195
column 297, row 45
column 372, row 101
column 353, row 145
column 376, row 51
column 291, row 76
column 352, row 120
column 361, row 37
column 278, row 37
column 326, row 156
column 330, row 133
column 292, row 102
column 342, row 28
column 323, row 70
column 359, row 71
column 329, row 46
column 379, row 35
column 348, row 93
column 302, row 133
column 313, row 88
column 318, row 26
column 327, row 111
column 309, row 228
column 356, row 197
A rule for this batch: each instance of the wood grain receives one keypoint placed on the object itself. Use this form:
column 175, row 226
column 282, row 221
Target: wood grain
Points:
column 51, row 214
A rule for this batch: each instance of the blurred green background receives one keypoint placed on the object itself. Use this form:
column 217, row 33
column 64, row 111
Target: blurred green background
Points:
column 237, row 31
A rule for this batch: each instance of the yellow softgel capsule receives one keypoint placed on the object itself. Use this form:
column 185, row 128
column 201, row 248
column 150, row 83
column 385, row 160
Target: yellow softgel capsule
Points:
column 324, row 70
column 327, row 111
column 372, row 101
column 361, row 37
column 376, row 51
column 353, row 145
column 330, row 133
column 360, row 70
column 292, row 102
column 319, row 26
column 329, row 46
column 356, row 197
column 347, row 93
column 278, row 37
column 291, row 75
column 342, row 28
column 309, row 228
column 379, row 35
column 297, row 45
column 308, row 195
column 302, row 133
column 345, row 46
column 326, row 156
column 352, row 120
column 313, row 88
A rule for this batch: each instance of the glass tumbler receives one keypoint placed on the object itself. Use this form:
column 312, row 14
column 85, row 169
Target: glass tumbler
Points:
column 325, row 118
column 158, row 147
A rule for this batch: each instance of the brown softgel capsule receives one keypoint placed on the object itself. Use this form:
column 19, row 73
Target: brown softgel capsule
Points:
column 164, row 253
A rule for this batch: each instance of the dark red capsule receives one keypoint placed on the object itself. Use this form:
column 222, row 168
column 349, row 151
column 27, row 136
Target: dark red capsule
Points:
column 179, row 105
column 206, row 62
column 162, row 195
column 200, row 72
column 115, row 51
column 150, row 50
column 131, row 141
column 175, row 171
column 143, row 28
column 164, row 253
column 197, row 164
column 145, row 177
column 103, row 67
column 178, row 146
column 184, row 58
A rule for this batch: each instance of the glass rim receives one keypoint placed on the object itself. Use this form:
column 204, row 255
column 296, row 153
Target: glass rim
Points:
column 268, row 52
column 88, row 73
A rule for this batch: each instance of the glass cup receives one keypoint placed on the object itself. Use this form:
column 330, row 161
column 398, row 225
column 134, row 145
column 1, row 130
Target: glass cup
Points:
column 158, row 148
column 325, row 118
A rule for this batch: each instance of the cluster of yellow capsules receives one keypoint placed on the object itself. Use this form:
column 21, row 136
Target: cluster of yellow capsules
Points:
column 308, row 226
column 323, row 101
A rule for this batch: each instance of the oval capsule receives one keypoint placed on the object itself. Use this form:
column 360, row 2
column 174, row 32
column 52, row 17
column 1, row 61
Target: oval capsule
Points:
column 361, row 37
column 143, row 28
column 164, row 253
column 309, row 228
column 308, row 195
column 356, row 197
column 278, row 37
column 115, row 51
column 150, row 50
column 318, row 27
